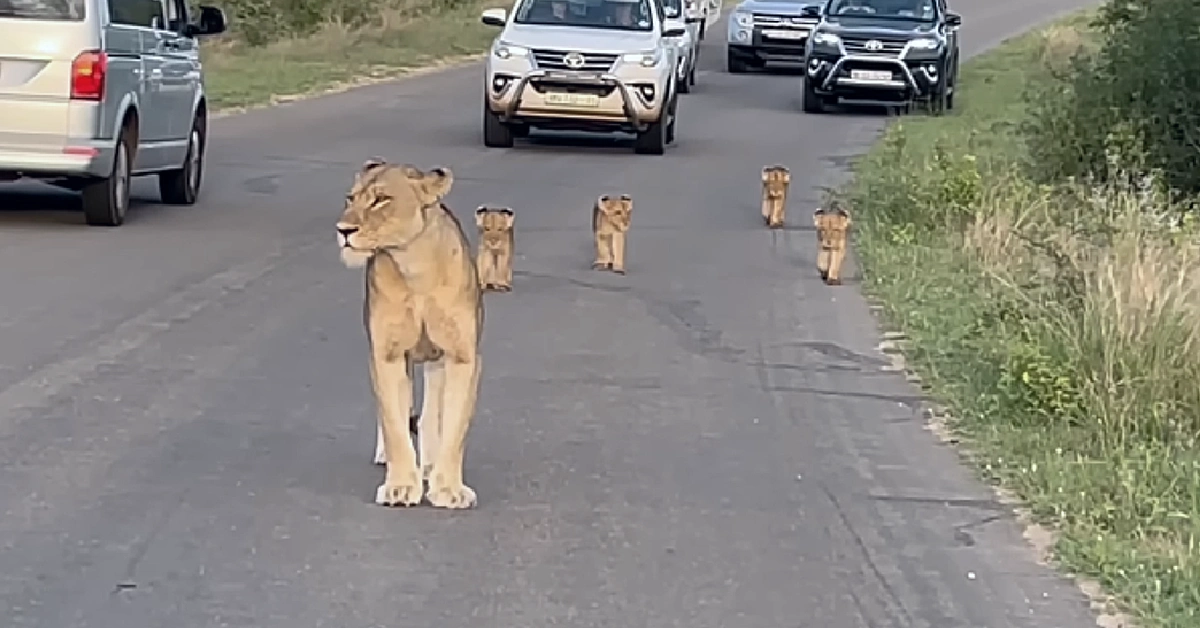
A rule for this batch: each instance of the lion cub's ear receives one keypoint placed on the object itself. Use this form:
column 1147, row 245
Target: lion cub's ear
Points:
column 479, row 214
column 817, row 217
column 373, row 163
column 627, row 202
column 508, row 217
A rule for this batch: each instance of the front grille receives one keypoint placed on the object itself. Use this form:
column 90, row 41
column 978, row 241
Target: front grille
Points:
column 547, row 59
column 784, row 21
column 858, row 46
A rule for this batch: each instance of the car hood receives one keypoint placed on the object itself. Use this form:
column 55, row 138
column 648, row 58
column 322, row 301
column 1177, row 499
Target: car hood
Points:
column 578, row 38
column 775, row 7
column 876, row 27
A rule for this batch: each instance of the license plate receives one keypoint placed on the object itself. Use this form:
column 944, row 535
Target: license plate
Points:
column 572, row 100
column 871, row 75
column 785, row 34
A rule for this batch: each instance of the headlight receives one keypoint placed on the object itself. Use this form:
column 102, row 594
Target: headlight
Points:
column 505, row 51
column 745, row 20
column 924, row 43
column 826, row 39
column 647, row 59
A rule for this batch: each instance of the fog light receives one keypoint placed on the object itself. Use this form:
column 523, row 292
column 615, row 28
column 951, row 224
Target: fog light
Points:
column 932, row 72
column 499, row 83
column 647, row 92
column 742, row 36
column 814, row 66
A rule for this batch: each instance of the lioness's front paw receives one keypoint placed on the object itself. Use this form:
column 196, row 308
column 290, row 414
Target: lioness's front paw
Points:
column 406, row 494
column 601, row 266
column 451, row 496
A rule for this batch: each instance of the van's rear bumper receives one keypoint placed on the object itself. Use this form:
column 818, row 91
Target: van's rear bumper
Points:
column 77, row 158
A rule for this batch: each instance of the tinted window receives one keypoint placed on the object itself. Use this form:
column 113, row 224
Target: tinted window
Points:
column 629, row 15
column 147, row 13
column 59, row 10
column 902, row 9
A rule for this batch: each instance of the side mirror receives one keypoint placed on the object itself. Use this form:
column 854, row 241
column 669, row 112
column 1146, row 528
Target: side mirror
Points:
column 211, row 22
column 953, row 19
column 673, row 28
column 494, row 17
column 811, row 10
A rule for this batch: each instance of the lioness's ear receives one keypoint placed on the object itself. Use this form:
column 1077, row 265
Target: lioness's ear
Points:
column 627, row 202
column 436, row 184
column 817, row 217
column 479, row 215
column 508, row 215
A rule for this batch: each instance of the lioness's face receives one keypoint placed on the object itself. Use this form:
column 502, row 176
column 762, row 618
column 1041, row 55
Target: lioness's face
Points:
column 618, row 210
column 386, row 208
column 832, row 225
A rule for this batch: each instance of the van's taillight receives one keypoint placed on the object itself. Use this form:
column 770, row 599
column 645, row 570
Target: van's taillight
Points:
column 87, row 75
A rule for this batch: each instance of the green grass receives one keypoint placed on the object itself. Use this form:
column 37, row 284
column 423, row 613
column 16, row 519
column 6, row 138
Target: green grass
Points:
column 239, row 76
column 1059, row 325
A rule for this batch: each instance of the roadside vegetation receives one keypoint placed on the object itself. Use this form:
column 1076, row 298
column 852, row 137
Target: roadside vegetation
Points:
column 281, row 49
column 1040, row 247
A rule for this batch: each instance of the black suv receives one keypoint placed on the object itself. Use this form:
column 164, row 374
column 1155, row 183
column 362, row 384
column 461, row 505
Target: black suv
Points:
column 882, row 52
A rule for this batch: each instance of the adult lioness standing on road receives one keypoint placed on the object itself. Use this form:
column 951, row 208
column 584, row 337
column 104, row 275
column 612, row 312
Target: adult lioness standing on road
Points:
column 423, row 306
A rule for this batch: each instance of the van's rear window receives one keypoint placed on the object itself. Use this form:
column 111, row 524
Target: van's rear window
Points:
column 60, row 10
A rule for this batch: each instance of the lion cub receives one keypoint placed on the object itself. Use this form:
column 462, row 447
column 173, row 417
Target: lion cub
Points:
column 832, row 224
column 775, row 182
column 610, row 223
column 495, row 247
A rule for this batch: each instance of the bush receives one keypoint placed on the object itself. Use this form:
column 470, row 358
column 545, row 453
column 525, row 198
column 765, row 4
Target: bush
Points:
column 1142, row 76
column 1054, row 308
column 259, row 22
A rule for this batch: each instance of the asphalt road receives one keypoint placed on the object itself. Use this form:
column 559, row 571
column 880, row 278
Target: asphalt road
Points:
column 186, row 427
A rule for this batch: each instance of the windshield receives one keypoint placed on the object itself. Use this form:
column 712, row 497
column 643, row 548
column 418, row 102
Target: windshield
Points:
column 629, row 15
column 65, row 10
column 898, row 9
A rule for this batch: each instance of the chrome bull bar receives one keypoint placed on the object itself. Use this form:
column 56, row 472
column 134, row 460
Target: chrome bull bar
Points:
column 832, row 77
column 604, row 79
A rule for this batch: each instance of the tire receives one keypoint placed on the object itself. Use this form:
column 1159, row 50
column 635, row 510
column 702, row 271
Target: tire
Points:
column 674, row 121
column 182, row 186
column 691, row 77
column 653, row 141
column 682, row 84
column 735, row 65
column 812, row 101
column 106, row 201
column 496, row 134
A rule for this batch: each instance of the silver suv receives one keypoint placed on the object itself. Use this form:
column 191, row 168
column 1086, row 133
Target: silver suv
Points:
column 95, row 92
column 583, row 65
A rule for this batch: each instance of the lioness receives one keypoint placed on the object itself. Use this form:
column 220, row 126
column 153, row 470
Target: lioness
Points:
column 775, row 182
column 610, row 222
column 832, row 224
column 423, row 306
column 495, row 247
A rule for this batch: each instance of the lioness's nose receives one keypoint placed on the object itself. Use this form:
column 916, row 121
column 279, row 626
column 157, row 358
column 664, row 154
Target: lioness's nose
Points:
column 347, row 231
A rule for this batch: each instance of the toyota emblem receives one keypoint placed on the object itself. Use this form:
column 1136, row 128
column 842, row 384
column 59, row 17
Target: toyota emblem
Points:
column 874, row 45
column 573, row 60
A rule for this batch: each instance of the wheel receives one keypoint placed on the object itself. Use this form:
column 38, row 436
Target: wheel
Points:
column 702, row 29
column 182, row 186
column 106, row 201
column 674, row 120
column 735, row 64
column 685, row 87
column 812, row 101
column 692, row 70
column 496, row 134
column 653, row 141
column 520, row 130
